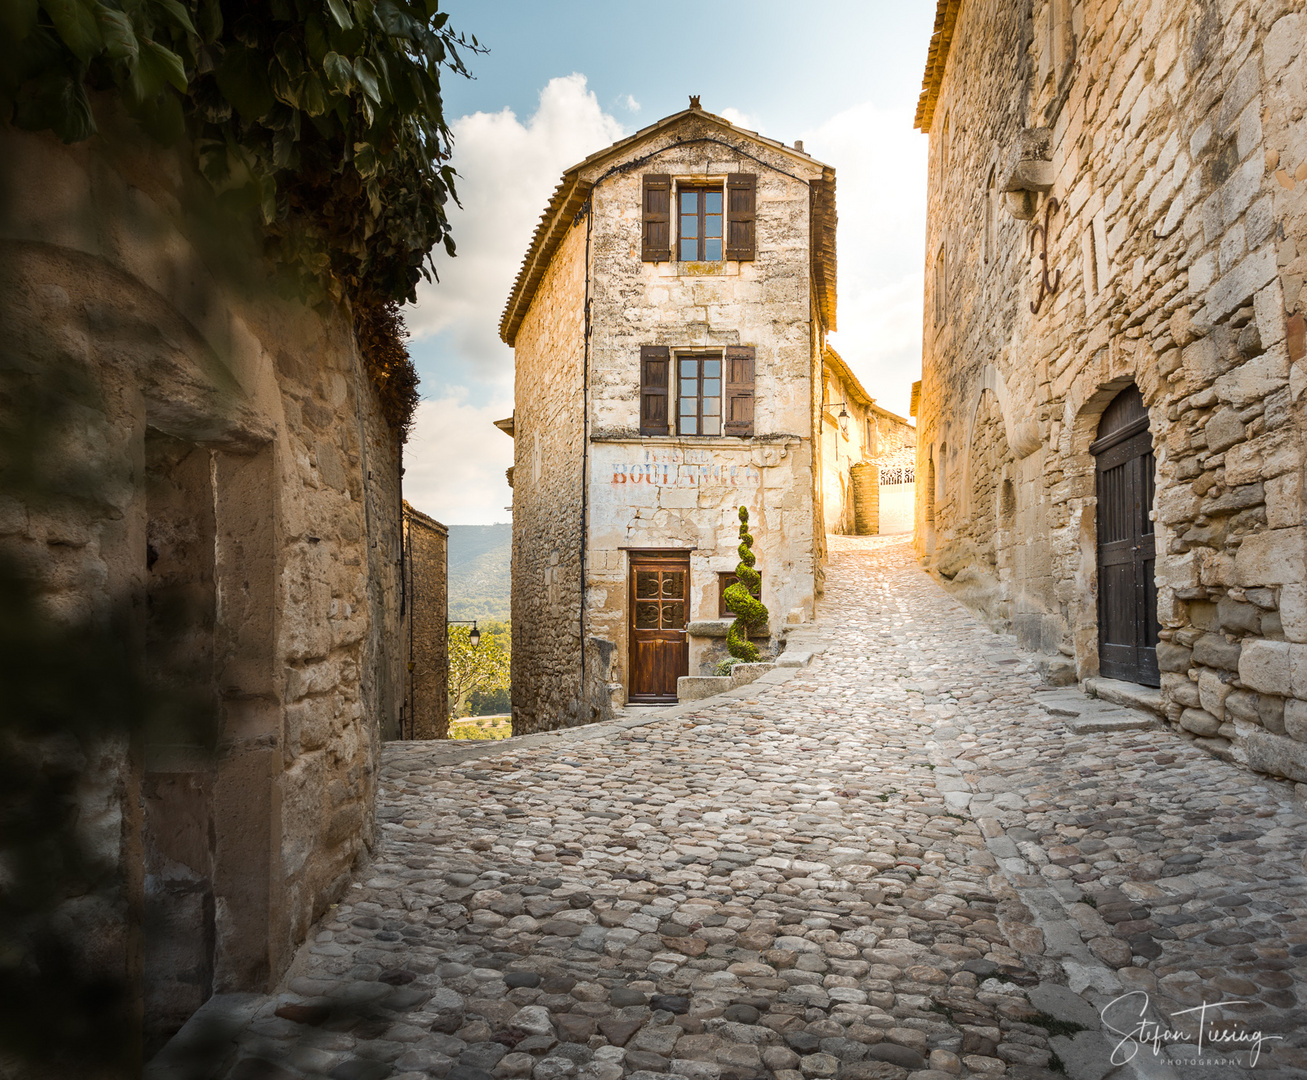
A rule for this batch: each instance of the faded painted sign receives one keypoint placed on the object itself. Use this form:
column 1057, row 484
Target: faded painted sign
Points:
column 684, row 469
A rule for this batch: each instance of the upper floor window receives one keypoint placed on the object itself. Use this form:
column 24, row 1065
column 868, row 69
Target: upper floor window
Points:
column 715, row 220
column 699, row 411
column 701, row 224
column 712, row 392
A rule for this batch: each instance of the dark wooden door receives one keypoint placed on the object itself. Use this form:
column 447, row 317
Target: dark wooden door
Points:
column 1127, row 586
column 660, row 651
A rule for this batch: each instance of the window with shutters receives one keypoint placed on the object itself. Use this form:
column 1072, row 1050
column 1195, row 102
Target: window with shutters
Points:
column 715, row 219
column 699, row 397
column 710, row 393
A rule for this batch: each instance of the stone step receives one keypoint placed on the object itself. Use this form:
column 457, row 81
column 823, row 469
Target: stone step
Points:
column 1131, row 695
column 1083, row 715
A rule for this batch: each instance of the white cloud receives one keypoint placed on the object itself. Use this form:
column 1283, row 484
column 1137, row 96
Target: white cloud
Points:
column 631, row 104
column 880, row 170
column 455, row 460
column 507, row 171
column 739, row 119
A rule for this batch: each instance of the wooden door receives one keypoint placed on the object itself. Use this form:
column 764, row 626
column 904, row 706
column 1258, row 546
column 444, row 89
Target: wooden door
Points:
column 659, row 601
column 1127, row 587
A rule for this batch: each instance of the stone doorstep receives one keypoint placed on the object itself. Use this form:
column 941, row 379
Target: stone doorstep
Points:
column 1085, row 715
column 1130, row 695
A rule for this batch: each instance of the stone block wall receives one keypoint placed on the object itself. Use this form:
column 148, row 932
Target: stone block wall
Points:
column 426, row 603
column 213, row 478
column 1174, row 141
column 548, row 466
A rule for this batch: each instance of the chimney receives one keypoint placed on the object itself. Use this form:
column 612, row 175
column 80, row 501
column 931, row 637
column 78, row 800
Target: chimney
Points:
column 798, row 145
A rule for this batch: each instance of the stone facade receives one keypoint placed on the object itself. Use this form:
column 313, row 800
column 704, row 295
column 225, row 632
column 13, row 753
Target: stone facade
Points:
column 1152, row 158
column 859, row 442
column 425, row 613
column 588, row 487
column 212, row 478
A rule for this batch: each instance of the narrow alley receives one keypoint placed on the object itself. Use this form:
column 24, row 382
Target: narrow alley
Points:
column 892, row 864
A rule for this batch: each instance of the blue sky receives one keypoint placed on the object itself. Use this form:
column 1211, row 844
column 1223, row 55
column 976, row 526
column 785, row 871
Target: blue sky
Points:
column 564, row 79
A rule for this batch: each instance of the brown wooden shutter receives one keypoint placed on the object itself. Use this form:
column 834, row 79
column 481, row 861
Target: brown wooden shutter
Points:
column 741, row 204
column 655, row 371
column 657, row 194
column 739, row 390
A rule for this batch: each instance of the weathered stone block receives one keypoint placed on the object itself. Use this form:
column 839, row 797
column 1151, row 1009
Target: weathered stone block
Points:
column 1255, row 378
column 1199, row 722
column 1238, row 617
column 1293, row 612
column 1212, row 692
column 1295, row 719
column 1242, row 704
column 1274, row 557
column 1277, row 755
column 1223, row 430
column 1172, row 657
column 1264, row 666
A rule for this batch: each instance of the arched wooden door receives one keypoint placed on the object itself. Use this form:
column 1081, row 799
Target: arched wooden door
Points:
column 1127, row 586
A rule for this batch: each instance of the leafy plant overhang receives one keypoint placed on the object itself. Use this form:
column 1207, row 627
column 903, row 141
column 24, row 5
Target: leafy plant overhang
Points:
column 323, row 116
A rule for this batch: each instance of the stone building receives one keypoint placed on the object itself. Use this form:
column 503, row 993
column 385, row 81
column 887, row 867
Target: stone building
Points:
column 424, row 608
column 1111, row 417
column 867, row 457
column 669, row 324
column 211, row 488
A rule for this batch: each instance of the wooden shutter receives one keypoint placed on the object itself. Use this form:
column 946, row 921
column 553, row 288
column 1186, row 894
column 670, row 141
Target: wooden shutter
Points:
column 739, row 390
column 655, row 369
column 656, row 192
column 741, row 203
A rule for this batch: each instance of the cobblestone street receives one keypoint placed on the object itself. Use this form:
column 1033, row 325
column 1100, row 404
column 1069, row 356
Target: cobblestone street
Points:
column 891, row 863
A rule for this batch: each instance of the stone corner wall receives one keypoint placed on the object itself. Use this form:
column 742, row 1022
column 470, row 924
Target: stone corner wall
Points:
column 547, row 497
column 426, row 600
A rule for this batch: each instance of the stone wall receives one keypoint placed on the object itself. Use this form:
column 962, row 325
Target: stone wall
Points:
column 213, row 477
column 426, row 602
column 1172, row 138
column 548, row 465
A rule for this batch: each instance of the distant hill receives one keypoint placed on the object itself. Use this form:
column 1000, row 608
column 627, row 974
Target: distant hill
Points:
column 479, row 571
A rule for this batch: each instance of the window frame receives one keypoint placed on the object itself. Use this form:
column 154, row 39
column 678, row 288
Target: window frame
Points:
column 701, row 188
column 725, row 578
column 699, row 358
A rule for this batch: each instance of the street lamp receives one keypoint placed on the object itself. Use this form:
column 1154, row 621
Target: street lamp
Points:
column 475, row 636
column 843, row 417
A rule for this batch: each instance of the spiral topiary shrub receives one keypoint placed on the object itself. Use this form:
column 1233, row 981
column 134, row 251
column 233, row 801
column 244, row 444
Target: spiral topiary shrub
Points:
column 750, row 612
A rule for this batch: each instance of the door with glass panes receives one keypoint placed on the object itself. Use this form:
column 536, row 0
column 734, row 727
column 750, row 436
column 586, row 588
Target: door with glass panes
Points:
column 659, row 649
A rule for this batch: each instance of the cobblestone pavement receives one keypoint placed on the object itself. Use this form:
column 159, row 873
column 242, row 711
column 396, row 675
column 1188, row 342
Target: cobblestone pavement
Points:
column 894, row 864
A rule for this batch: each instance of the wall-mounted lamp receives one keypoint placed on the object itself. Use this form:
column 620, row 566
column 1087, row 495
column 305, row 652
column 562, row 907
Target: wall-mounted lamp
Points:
column 843, row 417
column 475, row 636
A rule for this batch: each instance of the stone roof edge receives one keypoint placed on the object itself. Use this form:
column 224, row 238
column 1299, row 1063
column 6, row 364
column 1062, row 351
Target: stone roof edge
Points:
column 845, row 373
column 572, row 191
column 424, row 519
column 941, row 38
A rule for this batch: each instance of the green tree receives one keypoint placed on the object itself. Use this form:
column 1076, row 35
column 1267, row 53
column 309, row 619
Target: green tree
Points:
column 483, row 667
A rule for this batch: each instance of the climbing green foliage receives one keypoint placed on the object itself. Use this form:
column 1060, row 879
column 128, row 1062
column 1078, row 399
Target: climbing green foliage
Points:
column 322, row 118
column 750, row 613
